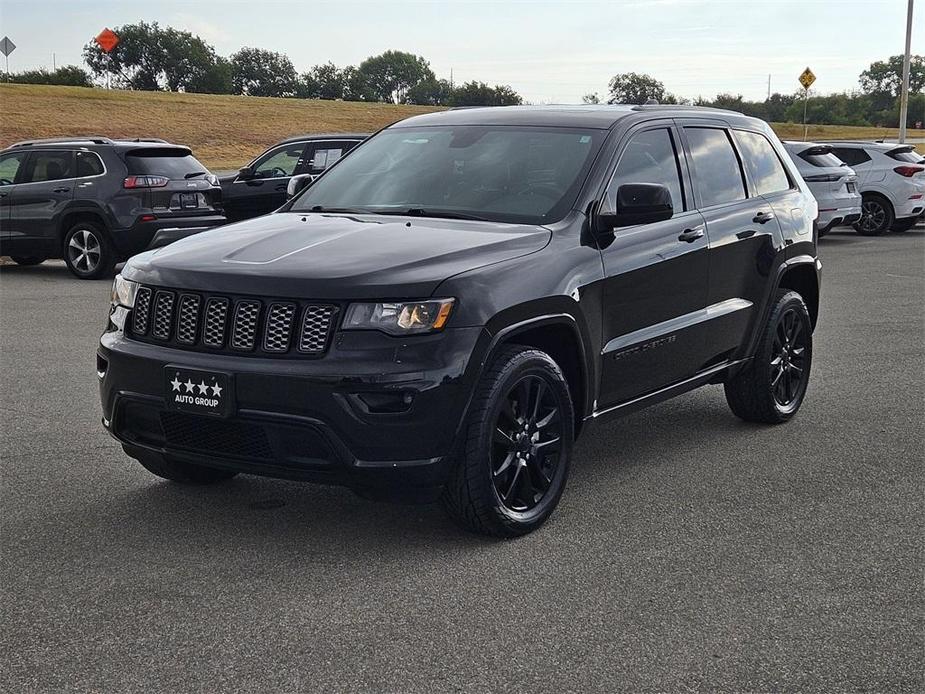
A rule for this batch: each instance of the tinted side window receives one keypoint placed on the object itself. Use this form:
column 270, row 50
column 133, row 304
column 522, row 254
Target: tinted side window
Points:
column 279, row 162
column 762, row 163
column 716, row 166
column 650, row 157
column 88, row 164
column 850, row 155
column 9, row 165
column 49, row 166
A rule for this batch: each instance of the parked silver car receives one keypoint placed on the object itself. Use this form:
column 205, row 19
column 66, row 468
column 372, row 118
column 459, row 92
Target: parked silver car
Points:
column 833, row 183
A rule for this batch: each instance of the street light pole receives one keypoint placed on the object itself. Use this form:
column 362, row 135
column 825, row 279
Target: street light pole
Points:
column 904, row 94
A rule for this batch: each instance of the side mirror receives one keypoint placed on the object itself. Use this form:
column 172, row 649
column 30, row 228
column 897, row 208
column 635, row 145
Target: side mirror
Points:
column 637, row 203
column 298, row 183
column 246, row 173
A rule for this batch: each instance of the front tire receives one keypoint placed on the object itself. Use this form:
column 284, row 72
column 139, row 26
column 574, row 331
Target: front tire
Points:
column 773, row 385
column 876, row 216
column 181, row 472
column 26, row 260
column 87, row 251
column 511, row 470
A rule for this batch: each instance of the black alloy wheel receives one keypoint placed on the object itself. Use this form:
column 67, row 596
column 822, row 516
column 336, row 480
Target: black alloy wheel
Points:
column 511, row 464
column 788, row 367
column 527, row 444
column 876, row 216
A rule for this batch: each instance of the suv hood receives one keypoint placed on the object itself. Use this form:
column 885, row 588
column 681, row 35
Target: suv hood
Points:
column 333, row 256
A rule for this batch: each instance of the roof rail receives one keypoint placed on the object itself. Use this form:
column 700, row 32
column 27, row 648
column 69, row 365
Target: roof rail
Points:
column 144, row 139
column 95, row 139
column 682, row 107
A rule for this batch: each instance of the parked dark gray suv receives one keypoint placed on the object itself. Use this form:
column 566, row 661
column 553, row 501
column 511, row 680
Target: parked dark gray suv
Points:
column 94, row 201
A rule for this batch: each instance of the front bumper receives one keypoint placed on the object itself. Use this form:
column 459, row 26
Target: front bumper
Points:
column 162, row 231
column 306, row 419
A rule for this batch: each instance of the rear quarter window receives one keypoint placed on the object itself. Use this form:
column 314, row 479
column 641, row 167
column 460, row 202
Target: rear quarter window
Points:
column 171, row 163
column 762, row 163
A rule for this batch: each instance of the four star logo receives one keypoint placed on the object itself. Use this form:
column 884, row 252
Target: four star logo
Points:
column 190, row 387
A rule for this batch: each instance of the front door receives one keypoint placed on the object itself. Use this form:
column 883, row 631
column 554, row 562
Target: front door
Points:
column 655, row 277
column 266, row 191
column 10, row 165
column 44, row 189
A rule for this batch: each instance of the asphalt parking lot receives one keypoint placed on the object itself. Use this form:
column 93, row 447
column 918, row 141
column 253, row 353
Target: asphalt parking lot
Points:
column 690, row 552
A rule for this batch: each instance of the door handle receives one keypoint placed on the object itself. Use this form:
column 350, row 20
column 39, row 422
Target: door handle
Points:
column 691, row 235
column 3, row 195
column 763, row 217
column 282, row 187
column 60, row 190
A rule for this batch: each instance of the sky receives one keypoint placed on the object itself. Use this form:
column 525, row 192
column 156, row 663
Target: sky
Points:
column 550, row 52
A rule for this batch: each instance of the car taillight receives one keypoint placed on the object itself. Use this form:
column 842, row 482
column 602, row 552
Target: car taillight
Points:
column 908, row 171
column 819, row 178
column 145, row 182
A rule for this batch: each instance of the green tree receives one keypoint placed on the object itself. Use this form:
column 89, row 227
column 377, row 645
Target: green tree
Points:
column 430, row 92
column 886, row 76
column 150, row 58
column 591, row 98
column 480, row 94
column 68, row 75
column 257, row 72
column 390, row 76
column 636, row 88
column 322, row 82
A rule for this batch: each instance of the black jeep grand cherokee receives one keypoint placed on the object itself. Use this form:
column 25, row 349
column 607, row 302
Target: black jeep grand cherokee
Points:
column 437, row 315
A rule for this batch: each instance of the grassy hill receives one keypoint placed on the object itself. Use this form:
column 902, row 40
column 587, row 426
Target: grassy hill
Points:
column 227, row 131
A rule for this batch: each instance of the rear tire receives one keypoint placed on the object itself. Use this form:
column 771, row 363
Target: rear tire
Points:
column 88, row 252
column 773, row 385
column 901, row 225
column 876, row 215
column 510, row 471
column 26, row 260
column 181, row 472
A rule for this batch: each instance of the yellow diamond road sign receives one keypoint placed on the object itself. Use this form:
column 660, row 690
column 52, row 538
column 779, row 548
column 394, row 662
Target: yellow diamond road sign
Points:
column 807, row 78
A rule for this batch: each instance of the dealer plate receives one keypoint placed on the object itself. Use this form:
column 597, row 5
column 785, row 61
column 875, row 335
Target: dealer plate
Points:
column 199, row 392
column 189, row 201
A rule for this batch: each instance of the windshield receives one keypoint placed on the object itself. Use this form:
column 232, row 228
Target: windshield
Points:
column 525, row 175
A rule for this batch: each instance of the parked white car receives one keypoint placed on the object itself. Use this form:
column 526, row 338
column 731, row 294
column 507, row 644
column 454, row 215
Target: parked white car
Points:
column 891, row 181
column 832, row 182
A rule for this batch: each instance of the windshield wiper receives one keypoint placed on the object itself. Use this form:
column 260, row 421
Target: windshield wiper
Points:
column 342, row 210
column 193, row 174
column 436, row 214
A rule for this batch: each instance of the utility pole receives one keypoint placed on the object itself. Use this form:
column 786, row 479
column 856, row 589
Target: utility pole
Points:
column 769, row 87
column 904, row 94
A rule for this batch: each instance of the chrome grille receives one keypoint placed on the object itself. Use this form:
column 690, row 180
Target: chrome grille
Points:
column 142, row 311
column 279, row 327
column 163, row 312
column 243, row 325
column 213, row 327
column 316, row 326
column 188, row 319
column 244, row 332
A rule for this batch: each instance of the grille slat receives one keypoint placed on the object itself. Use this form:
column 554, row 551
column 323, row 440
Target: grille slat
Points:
column 316, row 327
column 163, row 314
column 244, row 331
column 213, row 327
column 142, row 311
column 278, row 331
column 189, row 320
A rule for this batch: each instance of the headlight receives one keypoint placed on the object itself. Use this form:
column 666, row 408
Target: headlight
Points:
column 121, row 300
column 123, row 292
column 399, row 318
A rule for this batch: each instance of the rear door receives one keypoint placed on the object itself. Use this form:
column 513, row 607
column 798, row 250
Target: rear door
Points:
column 743, row 230
column 171, row 182
column 42, row 192
column 10, row 166
column 655, row 276
column 246, row 198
